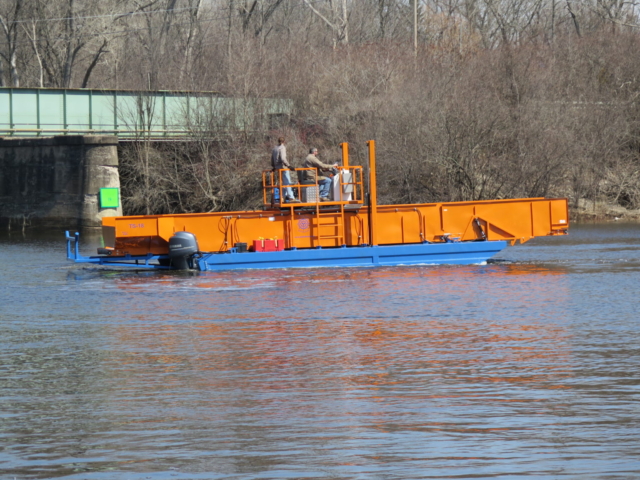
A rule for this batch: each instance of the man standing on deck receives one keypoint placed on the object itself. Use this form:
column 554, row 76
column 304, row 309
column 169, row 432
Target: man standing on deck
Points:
column 278, row 162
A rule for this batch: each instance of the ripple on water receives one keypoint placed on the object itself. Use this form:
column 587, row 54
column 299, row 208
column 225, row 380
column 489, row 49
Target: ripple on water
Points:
column 524, row 366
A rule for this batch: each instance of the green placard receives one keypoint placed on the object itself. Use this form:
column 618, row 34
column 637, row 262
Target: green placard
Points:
column 109, row 197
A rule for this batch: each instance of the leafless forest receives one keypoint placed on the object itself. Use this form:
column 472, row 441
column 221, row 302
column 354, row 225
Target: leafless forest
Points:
column 467, row 99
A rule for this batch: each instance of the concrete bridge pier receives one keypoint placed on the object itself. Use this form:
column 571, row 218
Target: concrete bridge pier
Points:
column 56, row 181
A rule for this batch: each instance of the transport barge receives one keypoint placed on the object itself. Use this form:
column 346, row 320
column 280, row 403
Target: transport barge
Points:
column 350, row 230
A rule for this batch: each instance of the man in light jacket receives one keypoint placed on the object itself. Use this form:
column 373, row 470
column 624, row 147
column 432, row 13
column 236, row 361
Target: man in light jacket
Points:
column 312, row 161
column 278, row 162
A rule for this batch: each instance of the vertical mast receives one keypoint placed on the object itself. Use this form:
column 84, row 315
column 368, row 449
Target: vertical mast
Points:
column 345, row 154
column 373, row 200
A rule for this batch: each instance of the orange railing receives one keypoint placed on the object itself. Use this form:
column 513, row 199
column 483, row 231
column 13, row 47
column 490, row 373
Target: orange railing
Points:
column 348, row 183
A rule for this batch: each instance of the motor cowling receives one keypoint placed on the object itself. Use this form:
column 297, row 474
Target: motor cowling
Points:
column 182, row 247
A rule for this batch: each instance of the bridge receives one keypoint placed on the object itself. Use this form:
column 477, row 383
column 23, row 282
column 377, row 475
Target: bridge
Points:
column 132, row 115
column 59, row 147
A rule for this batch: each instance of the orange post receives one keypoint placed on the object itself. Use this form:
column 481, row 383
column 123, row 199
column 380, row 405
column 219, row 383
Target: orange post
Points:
column 345, row 154
column 373, row 199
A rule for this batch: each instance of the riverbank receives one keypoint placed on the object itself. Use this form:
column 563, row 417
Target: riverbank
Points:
column 588, row 210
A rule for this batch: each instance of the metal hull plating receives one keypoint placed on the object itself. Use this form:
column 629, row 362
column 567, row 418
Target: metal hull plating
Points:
column 452, row 253
column 457, row 253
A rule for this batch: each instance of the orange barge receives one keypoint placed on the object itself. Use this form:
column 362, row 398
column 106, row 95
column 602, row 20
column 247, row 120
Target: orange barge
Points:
column 349, row 230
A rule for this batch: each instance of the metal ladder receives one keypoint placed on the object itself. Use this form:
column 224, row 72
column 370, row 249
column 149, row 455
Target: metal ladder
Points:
column 337, row 224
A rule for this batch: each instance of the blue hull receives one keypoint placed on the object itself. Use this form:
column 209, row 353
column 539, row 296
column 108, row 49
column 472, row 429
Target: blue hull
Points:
column 459, row 253
column 454, row 253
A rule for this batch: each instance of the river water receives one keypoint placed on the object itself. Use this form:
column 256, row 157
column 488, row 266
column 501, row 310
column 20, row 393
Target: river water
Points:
column 526, row 366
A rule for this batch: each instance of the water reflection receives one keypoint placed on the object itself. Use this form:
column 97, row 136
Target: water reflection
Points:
column 523, row 365
column 370, row 333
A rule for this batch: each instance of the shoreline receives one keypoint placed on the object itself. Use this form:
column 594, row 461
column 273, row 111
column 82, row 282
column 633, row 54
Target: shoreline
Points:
column 588, row 210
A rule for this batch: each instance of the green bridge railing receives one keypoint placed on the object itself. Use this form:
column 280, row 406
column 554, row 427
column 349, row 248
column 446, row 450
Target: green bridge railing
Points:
column 33, row 112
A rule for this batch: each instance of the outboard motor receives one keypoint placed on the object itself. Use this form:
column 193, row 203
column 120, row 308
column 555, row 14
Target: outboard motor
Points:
column 182, row 247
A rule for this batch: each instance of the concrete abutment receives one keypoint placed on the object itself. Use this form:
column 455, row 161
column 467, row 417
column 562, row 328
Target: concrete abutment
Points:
column 56, row 181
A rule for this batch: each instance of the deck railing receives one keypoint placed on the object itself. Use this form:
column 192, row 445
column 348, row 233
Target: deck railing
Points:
column 347, row 183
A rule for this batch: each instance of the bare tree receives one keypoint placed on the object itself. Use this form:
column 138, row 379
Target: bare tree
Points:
column 10, row 17
column 193, row 29
column 31, row 33
column 67, row 36
column 336, row 16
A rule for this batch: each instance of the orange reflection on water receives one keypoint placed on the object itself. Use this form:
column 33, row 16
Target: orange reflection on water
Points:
column 378, row 330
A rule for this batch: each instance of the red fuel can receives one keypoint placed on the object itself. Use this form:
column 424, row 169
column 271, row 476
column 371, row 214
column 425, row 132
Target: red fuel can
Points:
column 268, row 245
